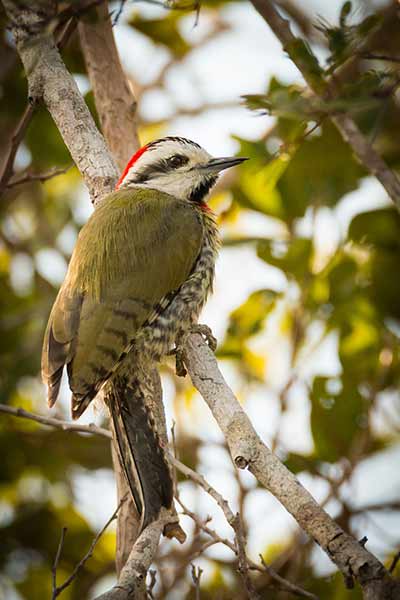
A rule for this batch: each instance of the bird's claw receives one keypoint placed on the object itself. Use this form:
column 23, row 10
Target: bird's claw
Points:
column 180, row 368
column 178, row 351
column 207, row 334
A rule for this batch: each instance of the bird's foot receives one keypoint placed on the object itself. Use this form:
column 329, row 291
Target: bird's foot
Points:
column 206, row 333
column 180, row 369
column 178, row 351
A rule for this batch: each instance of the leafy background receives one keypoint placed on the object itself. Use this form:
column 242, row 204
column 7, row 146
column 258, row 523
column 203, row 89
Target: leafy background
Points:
column 306, row 306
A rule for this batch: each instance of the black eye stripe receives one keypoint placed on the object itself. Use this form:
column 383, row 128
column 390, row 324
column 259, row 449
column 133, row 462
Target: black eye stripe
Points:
column 164, row 165
column 177, row 160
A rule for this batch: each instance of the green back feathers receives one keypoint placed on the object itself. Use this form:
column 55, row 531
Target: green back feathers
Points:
column 138, row 246
column 150, row 236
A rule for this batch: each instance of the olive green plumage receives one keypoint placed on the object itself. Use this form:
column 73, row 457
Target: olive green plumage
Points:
column 137, row 247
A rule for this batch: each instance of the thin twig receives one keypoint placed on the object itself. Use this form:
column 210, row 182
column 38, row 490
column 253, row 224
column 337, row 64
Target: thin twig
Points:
column 196, row 576
column 56, row 423
column 395, row 560
column 42, row 177
column 22, row 125
column 239, row 547
column 56, row 561
column 152, row 583
column 58, row 589
column 373, row 56
column 118, row 12
column 15, row 141
column 282, row 583
column 313, row 74
column 200, row 480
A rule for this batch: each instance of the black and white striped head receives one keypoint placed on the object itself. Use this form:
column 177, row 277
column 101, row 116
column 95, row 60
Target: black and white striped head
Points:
column 176, row 166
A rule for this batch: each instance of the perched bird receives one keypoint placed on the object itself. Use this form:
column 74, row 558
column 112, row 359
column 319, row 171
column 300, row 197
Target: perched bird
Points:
column 139, row 275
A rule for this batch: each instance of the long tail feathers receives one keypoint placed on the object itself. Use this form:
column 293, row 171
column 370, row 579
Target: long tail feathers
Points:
column 143, row 459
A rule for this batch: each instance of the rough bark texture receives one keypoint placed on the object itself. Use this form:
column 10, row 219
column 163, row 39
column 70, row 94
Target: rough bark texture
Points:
column 309, row 68
column 51, row 83
column 248, row 451
column 132, row 580
column 115, row 102
column 128, row 518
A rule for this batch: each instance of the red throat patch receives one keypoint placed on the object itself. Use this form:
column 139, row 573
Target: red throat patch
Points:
column 205, row 208
column 131, row 162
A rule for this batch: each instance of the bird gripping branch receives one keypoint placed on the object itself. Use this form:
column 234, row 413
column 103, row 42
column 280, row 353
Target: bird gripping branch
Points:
column 138, row 278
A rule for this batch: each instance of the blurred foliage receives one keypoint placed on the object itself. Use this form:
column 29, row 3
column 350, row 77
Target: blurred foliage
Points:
column 299, row 170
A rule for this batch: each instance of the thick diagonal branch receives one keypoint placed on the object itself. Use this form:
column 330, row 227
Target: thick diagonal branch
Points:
column 132, row 580
column 50, row 82
column 115, row 102
column 248, row 451
column 308, row 65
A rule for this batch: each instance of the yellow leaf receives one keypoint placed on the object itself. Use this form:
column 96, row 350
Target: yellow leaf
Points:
column 61, row 185
column 259, row 185
column 148, row 133
column 255, row 363
column 4, row 260
column 286, row 323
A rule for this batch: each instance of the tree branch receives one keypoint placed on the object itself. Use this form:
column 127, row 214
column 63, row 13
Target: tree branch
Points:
column 115, row 102
column 233, row 520
column 57, row 589
column 42, row 177
column 248, row 451
column 56, row 561
column 308, row 65
column 239, row 548
column 56, row 423
column 132, row 580
column 21, row 127
column 51, row 83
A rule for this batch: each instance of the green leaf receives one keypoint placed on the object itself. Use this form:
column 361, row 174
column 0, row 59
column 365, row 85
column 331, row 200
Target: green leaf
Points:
column 336, row 417
column 257, row 186
column 345, row 12
column 321, row 171
column 287, row 102
column 345, row 40
column 248, row 320
column 296, row 463
column 293, row 258
column 163, row 31
column 377, row 227
column 378, row 231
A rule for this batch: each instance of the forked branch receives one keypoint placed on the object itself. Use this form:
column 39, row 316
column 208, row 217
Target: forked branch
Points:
column 248, row 451
column 308, row 65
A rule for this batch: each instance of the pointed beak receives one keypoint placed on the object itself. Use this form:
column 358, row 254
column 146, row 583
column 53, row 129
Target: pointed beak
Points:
column 215, row 165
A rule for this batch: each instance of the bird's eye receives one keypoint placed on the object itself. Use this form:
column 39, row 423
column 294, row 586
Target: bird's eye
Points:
column 177, row 161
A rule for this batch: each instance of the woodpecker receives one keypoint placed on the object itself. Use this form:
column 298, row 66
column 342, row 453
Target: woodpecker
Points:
column 139, row 275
